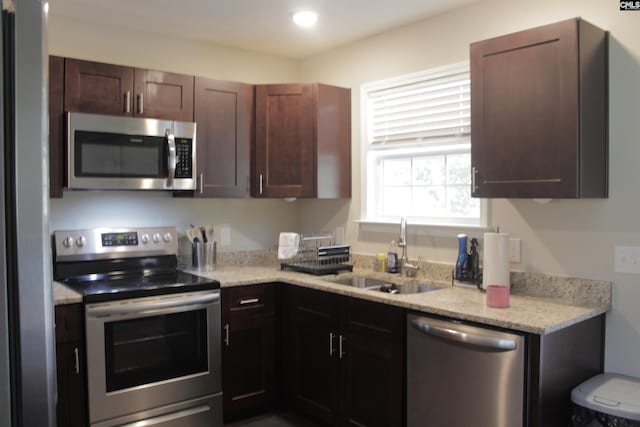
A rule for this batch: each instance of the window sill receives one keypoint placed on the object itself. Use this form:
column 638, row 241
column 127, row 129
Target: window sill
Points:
column 438, row 230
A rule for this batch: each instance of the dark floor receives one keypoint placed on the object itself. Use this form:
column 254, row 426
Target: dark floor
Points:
column 273, row 420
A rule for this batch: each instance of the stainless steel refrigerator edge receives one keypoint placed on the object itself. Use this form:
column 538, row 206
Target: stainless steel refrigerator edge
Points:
column 26, row 229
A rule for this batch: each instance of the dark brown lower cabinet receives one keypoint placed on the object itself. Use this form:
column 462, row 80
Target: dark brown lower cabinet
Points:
column 342, row 358
column 558, row 362
column 248, row 350
column 71, row 370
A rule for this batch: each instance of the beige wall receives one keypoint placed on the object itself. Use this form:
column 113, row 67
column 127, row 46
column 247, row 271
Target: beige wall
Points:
column 573, row 237
column 565, row 237
column 76, row 39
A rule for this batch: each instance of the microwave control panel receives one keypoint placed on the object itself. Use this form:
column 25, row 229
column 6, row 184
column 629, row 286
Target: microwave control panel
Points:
column 184, row 159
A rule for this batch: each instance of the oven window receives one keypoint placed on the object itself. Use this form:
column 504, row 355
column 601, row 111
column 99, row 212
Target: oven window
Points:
column 157, row 348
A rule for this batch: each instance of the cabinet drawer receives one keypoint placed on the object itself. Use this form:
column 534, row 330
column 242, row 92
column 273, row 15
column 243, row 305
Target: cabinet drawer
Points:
column 252, row 298
column 68, row 323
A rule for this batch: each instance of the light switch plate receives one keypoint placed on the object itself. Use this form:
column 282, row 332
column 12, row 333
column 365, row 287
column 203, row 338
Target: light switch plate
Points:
column 627, row 259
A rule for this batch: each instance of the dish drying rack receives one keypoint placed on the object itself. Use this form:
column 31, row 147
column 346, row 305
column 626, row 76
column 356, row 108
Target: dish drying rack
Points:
column 319, row 254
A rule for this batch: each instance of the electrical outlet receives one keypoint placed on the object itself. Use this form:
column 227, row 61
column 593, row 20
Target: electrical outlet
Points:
column 627, row 259
column 225, row 235
column 514, row 250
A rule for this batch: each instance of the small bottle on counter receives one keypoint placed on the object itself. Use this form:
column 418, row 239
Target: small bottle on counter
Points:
column 392, row 262
column 381, row 263
column 461, row 261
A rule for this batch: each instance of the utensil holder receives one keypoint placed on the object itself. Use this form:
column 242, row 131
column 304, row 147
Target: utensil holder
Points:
column 204, row 255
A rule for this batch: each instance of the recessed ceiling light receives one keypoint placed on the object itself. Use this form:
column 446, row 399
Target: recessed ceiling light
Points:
column 305, row 18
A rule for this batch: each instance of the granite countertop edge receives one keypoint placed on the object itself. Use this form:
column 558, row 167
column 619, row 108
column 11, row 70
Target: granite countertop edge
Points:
column 528, row 314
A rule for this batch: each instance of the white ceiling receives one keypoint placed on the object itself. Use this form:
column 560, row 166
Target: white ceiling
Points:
column 258, row 25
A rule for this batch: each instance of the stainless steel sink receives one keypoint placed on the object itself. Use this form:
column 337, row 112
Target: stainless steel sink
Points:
column 380, row 285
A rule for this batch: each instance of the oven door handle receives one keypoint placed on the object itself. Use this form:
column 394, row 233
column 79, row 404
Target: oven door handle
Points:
column 152, row 306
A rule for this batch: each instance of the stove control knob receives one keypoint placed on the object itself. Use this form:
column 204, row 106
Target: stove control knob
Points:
column 145, row 238
column 67, row 242
column 80, row 241
column 156, row 237
column 167, row 237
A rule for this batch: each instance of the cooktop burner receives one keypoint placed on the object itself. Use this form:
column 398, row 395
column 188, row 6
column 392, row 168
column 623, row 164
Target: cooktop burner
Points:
column 137, row 285
column 112, row 264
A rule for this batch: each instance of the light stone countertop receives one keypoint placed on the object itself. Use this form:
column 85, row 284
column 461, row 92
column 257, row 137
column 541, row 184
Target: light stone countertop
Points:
column 526, row 313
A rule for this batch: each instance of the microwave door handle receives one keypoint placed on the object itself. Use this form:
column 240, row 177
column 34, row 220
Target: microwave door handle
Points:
column 171, row 142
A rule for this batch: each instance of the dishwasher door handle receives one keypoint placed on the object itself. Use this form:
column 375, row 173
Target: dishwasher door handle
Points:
column 451, row 334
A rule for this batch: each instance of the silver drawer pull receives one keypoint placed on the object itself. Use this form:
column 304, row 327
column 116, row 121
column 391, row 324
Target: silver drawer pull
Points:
column 75, row 353
column 249, row 301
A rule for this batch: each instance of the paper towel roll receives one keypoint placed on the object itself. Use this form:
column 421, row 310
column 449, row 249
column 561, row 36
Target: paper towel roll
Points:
column 496, row 260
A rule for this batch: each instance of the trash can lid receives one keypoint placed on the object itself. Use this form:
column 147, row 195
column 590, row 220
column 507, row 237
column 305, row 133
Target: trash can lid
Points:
column 612, row 394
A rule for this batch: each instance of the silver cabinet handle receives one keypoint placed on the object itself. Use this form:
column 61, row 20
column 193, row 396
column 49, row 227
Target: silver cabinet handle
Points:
column 75, row 353
column 261, row 183
column 201, row 183
column 249, row 301
column 340, row 348
column 331, row 349
column 226, row 335
column 450, row 334
column 171, row 161
column 127, row 102
column 141, row 103
column 474, row 179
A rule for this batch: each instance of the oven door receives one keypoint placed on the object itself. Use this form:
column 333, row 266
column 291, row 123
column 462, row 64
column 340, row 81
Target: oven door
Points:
column 149, row 352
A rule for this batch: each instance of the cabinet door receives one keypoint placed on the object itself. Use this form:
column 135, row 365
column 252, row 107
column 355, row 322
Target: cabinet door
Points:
column 372, row 364
column 310, row 352
column 71, row 407
column 163, row 95
column 224, row 117
column 248, row 350
column 248, row 358
column 70, row 365
column 284, row 141
column 57, row 166
column 524, row 100
column 93, row 87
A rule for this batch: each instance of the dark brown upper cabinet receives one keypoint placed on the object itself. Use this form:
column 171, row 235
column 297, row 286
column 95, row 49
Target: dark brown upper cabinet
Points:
column 302, row 141
column 93, row 87
column 539, row 108
column 224, row 117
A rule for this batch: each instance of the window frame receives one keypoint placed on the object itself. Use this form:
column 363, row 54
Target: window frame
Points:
column 370, row 181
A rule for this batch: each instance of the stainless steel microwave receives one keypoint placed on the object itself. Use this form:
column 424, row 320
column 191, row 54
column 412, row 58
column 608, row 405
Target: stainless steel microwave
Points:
column 128, row 153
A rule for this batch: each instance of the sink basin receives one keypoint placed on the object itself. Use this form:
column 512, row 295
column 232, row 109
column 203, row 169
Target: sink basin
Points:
column 380, row 285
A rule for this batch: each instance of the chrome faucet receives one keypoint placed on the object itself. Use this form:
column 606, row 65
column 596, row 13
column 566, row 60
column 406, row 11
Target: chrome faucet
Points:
column 406, row 269
column 402, row 243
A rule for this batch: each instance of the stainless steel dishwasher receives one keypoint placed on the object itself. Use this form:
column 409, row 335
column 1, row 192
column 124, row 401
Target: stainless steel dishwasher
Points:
column 460, row 375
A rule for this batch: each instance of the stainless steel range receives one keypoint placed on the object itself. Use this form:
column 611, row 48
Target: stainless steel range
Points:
column 152, row 331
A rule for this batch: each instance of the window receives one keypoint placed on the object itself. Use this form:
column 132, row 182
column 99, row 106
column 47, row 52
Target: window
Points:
column 417, row 150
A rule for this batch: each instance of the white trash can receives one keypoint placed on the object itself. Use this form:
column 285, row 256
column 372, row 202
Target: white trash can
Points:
column 606, row 400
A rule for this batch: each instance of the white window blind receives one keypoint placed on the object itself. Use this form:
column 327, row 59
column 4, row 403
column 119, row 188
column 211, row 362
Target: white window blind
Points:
column 417, row 149
column 426, row 107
